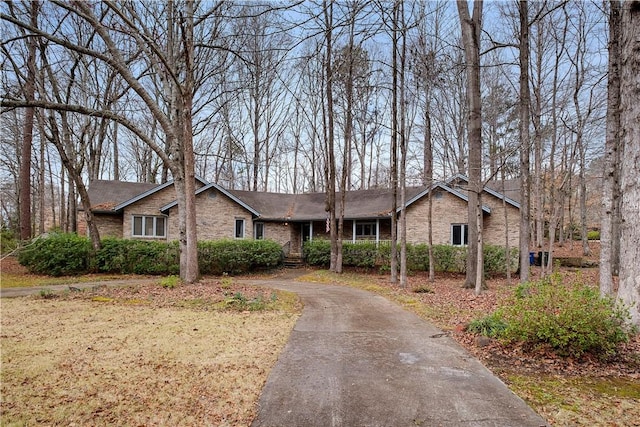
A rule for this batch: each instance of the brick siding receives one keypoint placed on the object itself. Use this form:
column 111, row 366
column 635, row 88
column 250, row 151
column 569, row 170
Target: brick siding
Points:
column 449, row 209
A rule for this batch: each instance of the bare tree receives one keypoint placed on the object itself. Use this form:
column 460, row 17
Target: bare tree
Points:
column 261, row 70
column 629, row 289
column 612, row 149
column 426, row 70
column 27, row 134
column 525, row 182
column 395, row 24
column 329, row 132
column 471, row 30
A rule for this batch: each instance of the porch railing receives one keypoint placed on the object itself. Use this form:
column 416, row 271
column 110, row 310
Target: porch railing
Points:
column 286, row 249
column 378, row 243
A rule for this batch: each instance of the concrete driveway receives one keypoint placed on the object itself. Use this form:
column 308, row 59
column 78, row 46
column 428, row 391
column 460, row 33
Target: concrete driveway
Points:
column 356, row 359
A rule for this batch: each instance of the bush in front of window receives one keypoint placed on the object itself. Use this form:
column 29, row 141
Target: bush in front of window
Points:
column 448, row 258
column 317, row 252
column 127, row 256
column 66, row 254
column 237, row 256
column 451, row 259
column 58, row 254
column 360, row 254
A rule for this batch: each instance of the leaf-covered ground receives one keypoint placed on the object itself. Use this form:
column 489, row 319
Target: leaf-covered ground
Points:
column 141, row 355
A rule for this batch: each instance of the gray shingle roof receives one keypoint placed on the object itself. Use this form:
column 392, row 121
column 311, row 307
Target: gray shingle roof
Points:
column 311, row 206
column 511, row 188
column 360, row 204
column 105, row 195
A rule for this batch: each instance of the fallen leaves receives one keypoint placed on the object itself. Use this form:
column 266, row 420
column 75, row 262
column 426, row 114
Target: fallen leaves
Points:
column 75, row 361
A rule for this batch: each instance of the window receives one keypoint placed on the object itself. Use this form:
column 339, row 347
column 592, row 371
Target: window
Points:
column 239, row 233
column 149, row 226
column 258, row 230
column 366, row 230
column 459, row 234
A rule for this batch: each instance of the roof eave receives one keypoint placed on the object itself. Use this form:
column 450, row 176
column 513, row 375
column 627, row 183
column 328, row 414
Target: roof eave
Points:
column 209, row 186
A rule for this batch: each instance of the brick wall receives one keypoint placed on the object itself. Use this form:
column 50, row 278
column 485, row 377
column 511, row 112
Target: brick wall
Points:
column 494, row 224
column 150, row 205
column 449, row 209
column 216, row 216
column 279, row 232
column 109, row 225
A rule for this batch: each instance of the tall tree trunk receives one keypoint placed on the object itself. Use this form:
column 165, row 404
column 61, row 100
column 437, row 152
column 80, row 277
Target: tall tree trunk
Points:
column 507, row 243
column 27, row 133
column 72, row 207
column 116, row 154
column 63, row 210
column 403, row 154
column 471, row 30
column 331, row 160
column 611, row 148
column 629, row 289
column 394, row 143
column 428, row 180
column 42, row 178
column 525, row 182
column 586, row 250
column 189, row 266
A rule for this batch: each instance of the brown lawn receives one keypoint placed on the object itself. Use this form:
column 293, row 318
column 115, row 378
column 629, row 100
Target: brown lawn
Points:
column 141, row 355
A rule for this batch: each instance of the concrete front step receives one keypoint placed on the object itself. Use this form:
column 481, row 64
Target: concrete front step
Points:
column 293, row 262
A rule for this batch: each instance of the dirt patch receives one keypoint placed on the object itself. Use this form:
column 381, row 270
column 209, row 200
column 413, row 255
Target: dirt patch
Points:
column 10, row 265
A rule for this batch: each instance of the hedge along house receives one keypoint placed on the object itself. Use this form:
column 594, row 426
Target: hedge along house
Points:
column 149, row 211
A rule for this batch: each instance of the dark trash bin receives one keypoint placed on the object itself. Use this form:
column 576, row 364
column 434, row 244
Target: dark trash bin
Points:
column 543, row 258
column 532, row 258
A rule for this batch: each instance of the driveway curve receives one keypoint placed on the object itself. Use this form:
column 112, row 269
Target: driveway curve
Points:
column 356, row 359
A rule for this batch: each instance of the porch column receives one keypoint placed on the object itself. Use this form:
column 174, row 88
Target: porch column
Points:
column 310, row 230
column 353, row 231
column 377, row 232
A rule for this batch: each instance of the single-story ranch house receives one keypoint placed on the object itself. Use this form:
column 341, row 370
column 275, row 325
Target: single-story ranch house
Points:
column 149, row 211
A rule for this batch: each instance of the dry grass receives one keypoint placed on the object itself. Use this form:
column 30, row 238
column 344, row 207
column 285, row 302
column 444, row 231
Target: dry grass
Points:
column 83, row 362
column 14, row 275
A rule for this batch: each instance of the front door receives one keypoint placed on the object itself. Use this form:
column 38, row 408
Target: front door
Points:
column 306, row 234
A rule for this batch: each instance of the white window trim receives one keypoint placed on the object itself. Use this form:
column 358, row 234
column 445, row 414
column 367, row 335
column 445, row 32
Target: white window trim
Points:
column 146, row 218
column 375, row 223
column 464, row 227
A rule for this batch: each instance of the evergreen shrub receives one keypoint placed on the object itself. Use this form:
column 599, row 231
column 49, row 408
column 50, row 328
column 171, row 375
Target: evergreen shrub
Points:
column 128, row 256
column 8, row 241
column 237, row 256
column 495, row 259
column 64, row 254
column 593, row 235
column 447, row 258
column 570, row 318
column 317, row 252
column 58, row 254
